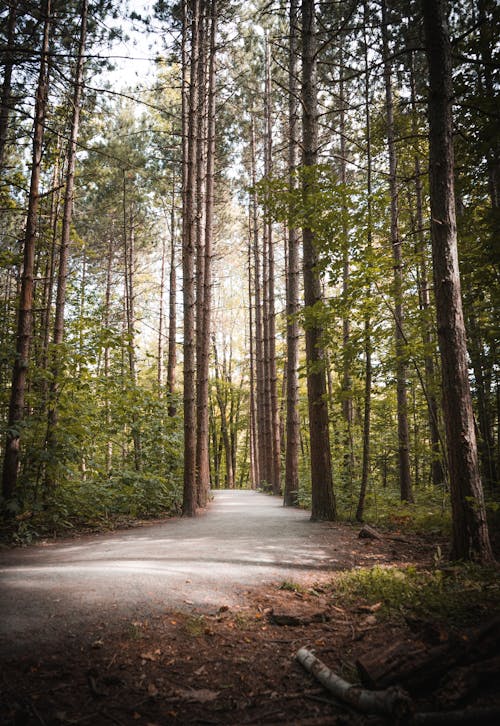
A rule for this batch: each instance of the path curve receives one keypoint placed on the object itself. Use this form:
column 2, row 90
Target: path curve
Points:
column 245, row 539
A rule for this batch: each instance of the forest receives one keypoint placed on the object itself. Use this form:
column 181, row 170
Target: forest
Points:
column 250, row 245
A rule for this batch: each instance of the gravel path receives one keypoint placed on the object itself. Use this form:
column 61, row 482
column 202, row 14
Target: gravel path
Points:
column 245, row 539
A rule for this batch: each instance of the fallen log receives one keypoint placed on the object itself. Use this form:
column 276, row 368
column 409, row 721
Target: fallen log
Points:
column 393, row 701
column 414, row 666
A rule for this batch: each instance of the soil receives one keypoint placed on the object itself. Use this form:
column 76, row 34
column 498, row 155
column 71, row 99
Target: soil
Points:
column 222, row 657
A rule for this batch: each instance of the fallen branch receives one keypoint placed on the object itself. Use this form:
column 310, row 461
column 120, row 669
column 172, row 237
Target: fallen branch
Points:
column 391, row 702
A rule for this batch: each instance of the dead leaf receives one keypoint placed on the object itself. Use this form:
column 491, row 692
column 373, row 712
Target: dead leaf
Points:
column 150, row 656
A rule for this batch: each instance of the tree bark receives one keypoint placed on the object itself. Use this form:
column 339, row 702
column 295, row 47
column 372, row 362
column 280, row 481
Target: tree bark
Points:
column 62, row 277
column 470, row 531
column 188, row 265
column 293, row 278
column 401, row 373
column 365, row 464
column 202, row 434
column 323, row 500
column 437, row 470
column 25, row 310
column 172, row 312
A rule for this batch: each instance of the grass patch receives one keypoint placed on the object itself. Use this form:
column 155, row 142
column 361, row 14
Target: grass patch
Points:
column 456, row 594
column 289, row 586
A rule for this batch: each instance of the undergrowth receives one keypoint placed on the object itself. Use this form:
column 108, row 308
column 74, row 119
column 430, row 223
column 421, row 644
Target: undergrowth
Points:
column 457, row 593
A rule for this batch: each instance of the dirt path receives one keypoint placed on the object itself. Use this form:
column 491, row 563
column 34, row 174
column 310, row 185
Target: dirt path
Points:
column 246, row 539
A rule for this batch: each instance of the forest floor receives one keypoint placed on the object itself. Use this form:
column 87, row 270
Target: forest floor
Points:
column 198, row 622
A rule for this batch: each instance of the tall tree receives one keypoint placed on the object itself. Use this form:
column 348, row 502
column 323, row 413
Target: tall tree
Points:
column 470, row 530
column 67, row 216
column 25, row 309
column 191, row 131
column 292, row 289
column 396, row 243
column 203, row 332
column 323, row 500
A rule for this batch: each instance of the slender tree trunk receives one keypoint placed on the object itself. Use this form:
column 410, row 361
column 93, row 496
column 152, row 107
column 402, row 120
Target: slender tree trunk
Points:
column 50, row 268
column 401, row 373
column 107, row 321
column 25, row 310
column 367, row 332
column 274, row 416
column 254, row 454
column 172, row 313
column 130, row 261
column 188, row 269
column 347, row 397
column 437, row 471
column 323, row 500
column 58, row 336
column 259, row 333
column 203, row 464
column 160, row 364
column 293, row 277
column 470, row 530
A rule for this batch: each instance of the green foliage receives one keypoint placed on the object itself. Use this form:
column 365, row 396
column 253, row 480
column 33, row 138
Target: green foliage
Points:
column 455, row 593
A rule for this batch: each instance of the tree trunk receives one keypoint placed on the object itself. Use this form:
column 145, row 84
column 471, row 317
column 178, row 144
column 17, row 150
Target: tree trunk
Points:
column 172, row 313
column 347, row 395
column 437, row 470
column 402, row 397
column 323, row 500
column 254, row 453
column 202, row 458
column 470, row 530
column 274, row 417
column 188, row 270
column 293, row 279
column 25, row 310
column 259, row 334
column 58, row 337
column 365, row 464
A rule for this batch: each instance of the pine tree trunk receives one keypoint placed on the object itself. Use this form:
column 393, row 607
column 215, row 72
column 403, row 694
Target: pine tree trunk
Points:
column 437, row 471
column 274, row 417
column 293, row 279
column 323, row 500
column 470, row 530
column 202, row 435
column 367, row 332
column 347, row 396
column 160, row 356
column 58, row 336
column 188, row 270
column 401, row 373
column 254, row 453
column 172, row 313
column 25, row 310
column 107, row 321
column 259, row 333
